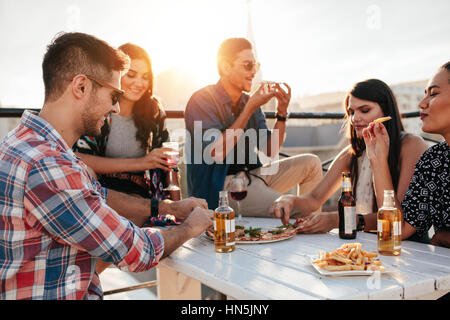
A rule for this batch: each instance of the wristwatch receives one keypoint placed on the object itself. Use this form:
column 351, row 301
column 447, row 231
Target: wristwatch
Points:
column 281, row 118
column 154, row 203
column 361, row 223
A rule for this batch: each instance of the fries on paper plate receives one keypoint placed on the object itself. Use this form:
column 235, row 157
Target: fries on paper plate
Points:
column 383, row 119
column 348, row 257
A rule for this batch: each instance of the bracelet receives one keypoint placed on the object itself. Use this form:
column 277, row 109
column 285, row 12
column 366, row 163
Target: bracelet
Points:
column 361, row 222
column 154, row 204
column 281, row 118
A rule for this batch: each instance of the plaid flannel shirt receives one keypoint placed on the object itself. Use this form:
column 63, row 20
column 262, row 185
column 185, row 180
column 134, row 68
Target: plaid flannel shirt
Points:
column 55, row 223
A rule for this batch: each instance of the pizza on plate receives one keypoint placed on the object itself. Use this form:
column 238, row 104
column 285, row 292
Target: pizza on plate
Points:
column 250, row 234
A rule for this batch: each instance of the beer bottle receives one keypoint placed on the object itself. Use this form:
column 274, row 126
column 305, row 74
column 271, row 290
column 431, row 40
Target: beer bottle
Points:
column 224, row 228
column 389, row 226
column 347, row 209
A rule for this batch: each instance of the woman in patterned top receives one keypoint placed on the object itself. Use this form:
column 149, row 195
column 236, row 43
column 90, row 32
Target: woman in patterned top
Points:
column 427, row 201
column 130, row 142
column 374, row 167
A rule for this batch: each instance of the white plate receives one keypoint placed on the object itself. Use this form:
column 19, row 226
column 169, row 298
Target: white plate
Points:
column 256, row 241
column 345, row 273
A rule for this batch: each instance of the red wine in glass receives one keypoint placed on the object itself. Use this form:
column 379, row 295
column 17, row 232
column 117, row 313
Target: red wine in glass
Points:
column 238, row 191
column 238, row 195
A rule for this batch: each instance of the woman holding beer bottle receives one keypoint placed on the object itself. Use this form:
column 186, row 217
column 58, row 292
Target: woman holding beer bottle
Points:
column 374, row 167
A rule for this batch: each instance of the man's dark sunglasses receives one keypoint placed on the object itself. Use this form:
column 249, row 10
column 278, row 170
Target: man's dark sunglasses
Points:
column 249, row 65
column 117, row 92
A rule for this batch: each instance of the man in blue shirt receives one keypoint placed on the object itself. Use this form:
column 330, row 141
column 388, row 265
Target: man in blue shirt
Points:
column 227, row 129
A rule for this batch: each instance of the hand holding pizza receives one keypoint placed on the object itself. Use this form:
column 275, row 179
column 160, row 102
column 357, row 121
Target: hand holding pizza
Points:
column 377, row 141
column 282, row 208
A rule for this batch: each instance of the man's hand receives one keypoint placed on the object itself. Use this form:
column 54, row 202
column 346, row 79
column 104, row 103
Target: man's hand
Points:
column 259, row 98
column 181, row 209
column 282, row 207
column 198, row 221
column 283, row 98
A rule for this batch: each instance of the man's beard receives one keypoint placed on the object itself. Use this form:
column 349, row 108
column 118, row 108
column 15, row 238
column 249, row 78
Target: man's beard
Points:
column 90, row 119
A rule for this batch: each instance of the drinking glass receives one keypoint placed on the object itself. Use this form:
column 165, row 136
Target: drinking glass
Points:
column 173, row 157
column 238, row 192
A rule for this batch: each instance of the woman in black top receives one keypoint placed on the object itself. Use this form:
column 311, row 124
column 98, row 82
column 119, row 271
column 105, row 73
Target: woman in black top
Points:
column 427, row 200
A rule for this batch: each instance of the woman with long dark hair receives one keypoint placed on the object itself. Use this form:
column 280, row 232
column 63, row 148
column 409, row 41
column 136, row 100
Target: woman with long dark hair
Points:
column 371, row 172
column 130, row 142
column 127, row 156
column 427, row 202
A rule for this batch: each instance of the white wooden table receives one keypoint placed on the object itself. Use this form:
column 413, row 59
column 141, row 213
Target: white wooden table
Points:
column 283, row 270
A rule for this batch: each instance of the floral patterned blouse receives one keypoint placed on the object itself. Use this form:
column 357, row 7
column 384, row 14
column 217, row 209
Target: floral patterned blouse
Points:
column 427, row 201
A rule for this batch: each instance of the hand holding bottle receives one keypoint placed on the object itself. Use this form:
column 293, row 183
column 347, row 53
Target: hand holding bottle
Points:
column 156, row 158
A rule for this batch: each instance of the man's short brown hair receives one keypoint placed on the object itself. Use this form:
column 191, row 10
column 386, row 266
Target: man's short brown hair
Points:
column 75, row 53
column 230, row 48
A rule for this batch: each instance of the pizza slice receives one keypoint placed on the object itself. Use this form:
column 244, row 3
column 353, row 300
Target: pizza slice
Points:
column 258, row 235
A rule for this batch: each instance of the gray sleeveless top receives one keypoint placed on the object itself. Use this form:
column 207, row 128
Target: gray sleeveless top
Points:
column 122, row 142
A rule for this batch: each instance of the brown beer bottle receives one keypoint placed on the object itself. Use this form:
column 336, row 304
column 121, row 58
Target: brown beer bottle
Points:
column 224, row 227
column 347, row 209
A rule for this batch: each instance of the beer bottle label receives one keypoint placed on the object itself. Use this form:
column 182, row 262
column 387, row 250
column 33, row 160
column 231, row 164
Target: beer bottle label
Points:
column 346, row 185
column 349, row 219
column 397, row 228
column 397, row 235
column 229, row 226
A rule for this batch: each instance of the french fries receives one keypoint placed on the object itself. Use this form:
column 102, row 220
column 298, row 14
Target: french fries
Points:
column 348, row 257
column 382, row 119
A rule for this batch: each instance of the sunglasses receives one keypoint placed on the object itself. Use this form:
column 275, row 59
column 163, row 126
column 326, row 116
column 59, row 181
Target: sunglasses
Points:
column 117, row 93
column 249, row 65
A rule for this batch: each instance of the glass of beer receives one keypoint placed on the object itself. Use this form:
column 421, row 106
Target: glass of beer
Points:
column 172, row 191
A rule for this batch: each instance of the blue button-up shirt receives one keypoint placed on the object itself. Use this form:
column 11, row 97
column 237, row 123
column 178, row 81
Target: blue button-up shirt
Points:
column 212, row 108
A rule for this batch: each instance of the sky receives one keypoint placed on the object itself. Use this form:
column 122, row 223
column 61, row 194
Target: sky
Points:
column 315, row 46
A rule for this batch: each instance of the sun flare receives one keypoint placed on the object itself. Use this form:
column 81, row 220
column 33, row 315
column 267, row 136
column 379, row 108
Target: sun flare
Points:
column 189, row 40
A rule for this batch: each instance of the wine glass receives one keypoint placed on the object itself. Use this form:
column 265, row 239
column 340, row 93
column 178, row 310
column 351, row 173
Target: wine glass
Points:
column 172, row 191
column 238, row 192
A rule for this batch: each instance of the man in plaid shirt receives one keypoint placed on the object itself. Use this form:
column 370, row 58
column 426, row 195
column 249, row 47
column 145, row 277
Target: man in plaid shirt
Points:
column 56, row 220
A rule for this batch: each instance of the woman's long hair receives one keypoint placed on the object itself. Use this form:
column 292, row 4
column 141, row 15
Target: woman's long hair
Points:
column 376, row 91
column 147, row 110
